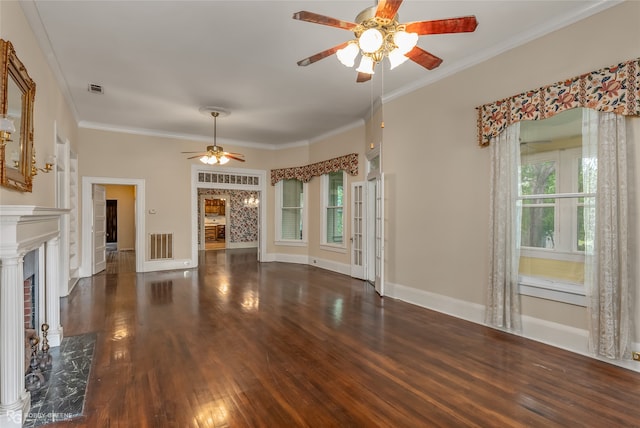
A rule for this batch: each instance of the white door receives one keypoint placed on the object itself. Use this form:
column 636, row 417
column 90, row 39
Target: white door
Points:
column 379, row 235
column 99, row 229
column 358, row 227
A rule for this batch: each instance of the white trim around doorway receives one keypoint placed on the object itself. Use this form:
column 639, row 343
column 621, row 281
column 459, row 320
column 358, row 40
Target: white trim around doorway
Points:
column 262, row 217
column 87, row 215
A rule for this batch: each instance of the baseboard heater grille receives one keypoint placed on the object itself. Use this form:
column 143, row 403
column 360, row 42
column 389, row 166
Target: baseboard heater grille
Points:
column 161, row 246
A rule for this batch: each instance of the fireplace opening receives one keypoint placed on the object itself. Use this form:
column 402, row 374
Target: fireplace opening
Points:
column 31, row 291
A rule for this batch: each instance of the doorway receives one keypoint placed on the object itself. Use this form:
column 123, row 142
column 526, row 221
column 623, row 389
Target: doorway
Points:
column 88, row 236
column 375, row 227
column 248, row 228
column 121, row 223
column 112, row 223
column 214, row 219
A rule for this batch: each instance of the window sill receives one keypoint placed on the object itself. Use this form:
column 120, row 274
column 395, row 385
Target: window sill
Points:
column 573, row 294
column 334, row 248
column 544, row 253
column 292, row 243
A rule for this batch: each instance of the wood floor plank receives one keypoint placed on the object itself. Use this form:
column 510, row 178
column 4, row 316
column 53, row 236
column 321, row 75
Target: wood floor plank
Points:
column 236, row 343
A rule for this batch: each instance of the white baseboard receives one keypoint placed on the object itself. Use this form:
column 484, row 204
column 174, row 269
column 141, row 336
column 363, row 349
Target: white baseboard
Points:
column 73, row 282
column 558, row 335
column 333, row 266
column 447, row 305
column 176, row 264
column 330, row 265
column 234, row 245
column 287, row 258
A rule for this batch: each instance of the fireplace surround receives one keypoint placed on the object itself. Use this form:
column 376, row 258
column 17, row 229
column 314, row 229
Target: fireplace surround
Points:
column 23, row 229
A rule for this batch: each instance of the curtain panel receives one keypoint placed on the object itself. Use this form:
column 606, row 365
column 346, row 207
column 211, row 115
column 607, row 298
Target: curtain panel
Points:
column 614, row 89
column 503, row 300
column 608, row 265
column 347, row 163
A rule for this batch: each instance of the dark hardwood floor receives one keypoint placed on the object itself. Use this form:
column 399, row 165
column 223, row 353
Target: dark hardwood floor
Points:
column 120, row 261
column 241, row 344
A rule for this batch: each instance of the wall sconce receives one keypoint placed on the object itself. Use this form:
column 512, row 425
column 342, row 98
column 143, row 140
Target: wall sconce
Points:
column 48, row 165
column 6, row 129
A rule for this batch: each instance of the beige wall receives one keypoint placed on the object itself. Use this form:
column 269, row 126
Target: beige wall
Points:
column 438, row 179
column 126, row 197
column 50, row 109
column 340, row 144
column 283, row 159
column 165, row 171
column 351, row 141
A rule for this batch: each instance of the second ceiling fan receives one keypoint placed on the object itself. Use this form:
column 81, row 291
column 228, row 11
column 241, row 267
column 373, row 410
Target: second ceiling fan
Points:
column 215, row 154
column 379, row 35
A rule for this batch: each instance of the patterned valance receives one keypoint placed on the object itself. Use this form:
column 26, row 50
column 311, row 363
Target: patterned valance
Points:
column 348, row 163
column 612, row 89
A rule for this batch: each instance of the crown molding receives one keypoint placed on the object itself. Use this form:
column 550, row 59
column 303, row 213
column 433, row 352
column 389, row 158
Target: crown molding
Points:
column 559, row 22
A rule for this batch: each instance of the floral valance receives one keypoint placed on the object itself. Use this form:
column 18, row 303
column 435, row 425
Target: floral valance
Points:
column 612, row 89
column 348, row 163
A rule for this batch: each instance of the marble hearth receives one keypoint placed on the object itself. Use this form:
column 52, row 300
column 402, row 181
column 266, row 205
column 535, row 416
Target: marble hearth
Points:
column 24, row 229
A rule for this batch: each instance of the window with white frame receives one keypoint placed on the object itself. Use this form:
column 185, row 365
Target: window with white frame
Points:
column 333, row 208
column 552, row 200
column 290, row 212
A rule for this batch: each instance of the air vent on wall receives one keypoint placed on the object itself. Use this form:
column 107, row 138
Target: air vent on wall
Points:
column 95, row 88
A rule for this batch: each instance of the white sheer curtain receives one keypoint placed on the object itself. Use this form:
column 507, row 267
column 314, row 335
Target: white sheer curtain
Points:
column 503, row 303
column 608, row 275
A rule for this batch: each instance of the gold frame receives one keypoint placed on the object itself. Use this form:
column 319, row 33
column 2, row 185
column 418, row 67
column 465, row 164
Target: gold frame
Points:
column 20, row 176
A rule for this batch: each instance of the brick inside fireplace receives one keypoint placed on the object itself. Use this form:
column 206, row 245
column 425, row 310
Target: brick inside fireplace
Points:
column 31, row 290
column 30, row 300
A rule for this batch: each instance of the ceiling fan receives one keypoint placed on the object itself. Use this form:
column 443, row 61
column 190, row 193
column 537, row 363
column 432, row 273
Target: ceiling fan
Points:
column 215, row 154
column 379, row 34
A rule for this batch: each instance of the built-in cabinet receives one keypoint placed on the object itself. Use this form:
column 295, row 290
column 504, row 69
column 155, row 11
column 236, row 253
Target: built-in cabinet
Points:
column 74, row 250
column 66, row 171
column 214, row 232
column 214, row 206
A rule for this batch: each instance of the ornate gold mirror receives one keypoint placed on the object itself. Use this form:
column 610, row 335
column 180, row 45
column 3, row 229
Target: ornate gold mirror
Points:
column 17, row 95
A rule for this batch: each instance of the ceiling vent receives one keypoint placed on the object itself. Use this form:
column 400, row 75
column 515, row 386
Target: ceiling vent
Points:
column 95, row 88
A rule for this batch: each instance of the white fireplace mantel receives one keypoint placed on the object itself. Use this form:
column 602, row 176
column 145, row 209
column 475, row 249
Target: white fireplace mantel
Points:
column 24, row 228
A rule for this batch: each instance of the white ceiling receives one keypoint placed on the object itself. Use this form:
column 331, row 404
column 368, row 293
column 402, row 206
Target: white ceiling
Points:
column 159, row 62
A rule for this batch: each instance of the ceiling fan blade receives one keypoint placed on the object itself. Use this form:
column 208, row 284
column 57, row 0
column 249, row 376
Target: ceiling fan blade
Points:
column 464, row 24
column 388, row 8
column 363, row 77
column 230, row 156
column 189, row 152
column 321, row 55
column 315, row 18
column 424, row 58
column 197, row 156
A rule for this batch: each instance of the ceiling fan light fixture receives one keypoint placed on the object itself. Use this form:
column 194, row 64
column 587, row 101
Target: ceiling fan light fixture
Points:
column 347, row 55
column 366, row 65
column 370, row 40
column 396, row 57
column 405, row 41
column 209, row 160
column 380, row 34
column 215, row 154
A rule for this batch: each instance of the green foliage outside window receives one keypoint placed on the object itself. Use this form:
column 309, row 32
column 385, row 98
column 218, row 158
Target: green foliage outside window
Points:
column 538, row 215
